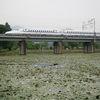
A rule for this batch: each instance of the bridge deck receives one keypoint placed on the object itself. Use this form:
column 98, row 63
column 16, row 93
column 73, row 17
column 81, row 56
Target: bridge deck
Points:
column 49, row 38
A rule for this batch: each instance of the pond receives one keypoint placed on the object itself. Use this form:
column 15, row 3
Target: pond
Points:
column 47, row 64
column 68, row 77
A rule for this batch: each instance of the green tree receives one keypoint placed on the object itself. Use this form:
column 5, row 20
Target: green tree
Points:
column 5, row 44
column 51, row 47
column 3, row 29
column 66, row 45
column 97, row 45
column 15, row 46
column 34, row 46
column 8, row 26
column 74, row 44
column 30, row 45
column 37, row 46
column 44, row 45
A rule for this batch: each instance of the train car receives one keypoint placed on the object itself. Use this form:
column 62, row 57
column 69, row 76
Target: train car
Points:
column 78, row 33
column 33, row 32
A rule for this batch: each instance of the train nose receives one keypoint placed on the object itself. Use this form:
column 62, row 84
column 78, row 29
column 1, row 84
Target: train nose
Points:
column 11, row 32
column 8, row 32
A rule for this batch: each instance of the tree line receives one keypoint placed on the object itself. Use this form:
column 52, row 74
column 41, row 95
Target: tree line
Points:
column 5, row 45
column 9, row 45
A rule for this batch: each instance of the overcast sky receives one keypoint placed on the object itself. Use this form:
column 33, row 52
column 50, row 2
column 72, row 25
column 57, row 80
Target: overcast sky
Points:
column 50, row 13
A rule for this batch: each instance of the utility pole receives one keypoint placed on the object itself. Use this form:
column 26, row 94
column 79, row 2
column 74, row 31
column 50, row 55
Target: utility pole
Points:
column 90, row 23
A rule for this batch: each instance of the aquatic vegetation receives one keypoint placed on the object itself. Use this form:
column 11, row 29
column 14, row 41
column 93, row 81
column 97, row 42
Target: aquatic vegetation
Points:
column 77, row 76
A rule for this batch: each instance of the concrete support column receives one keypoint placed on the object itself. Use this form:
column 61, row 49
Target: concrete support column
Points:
column 57, row 47
column 22, row 47
column 88, row 47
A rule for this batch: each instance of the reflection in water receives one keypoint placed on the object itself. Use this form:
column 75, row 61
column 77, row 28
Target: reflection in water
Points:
column 46, row 64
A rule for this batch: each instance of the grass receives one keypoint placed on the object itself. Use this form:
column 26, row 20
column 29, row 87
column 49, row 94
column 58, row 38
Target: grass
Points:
column 77, row 77
column 16, row 52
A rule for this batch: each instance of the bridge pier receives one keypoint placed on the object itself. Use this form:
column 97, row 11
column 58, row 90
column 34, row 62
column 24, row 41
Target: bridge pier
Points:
column 57, row 47
column 88, row 47
column 22, row 47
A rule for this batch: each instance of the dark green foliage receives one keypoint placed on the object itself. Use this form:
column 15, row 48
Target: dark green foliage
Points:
column 97, row 45
column 5, row 44
column 37, row 46
column 3, row 29
column 8, row 26
column 72, row 45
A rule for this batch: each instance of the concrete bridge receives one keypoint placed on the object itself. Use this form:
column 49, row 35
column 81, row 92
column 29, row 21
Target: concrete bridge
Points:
column 88, row 41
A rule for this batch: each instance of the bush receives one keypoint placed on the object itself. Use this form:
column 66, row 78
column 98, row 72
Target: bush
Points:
column 4, row 50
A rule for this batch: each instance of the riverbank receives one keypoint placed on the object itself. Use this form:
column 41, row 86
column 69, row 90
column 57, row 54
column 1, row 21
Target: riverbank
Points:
column 16, row 52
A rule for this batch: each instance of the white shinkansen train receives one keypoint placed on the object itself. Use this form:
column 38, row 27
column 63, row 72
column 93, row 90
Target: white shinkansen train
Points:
column 32, row 32
column 50, row 32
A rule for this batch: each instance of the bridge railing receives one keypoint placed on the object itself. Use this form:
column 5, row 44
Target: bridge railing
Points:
column 2, row 34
